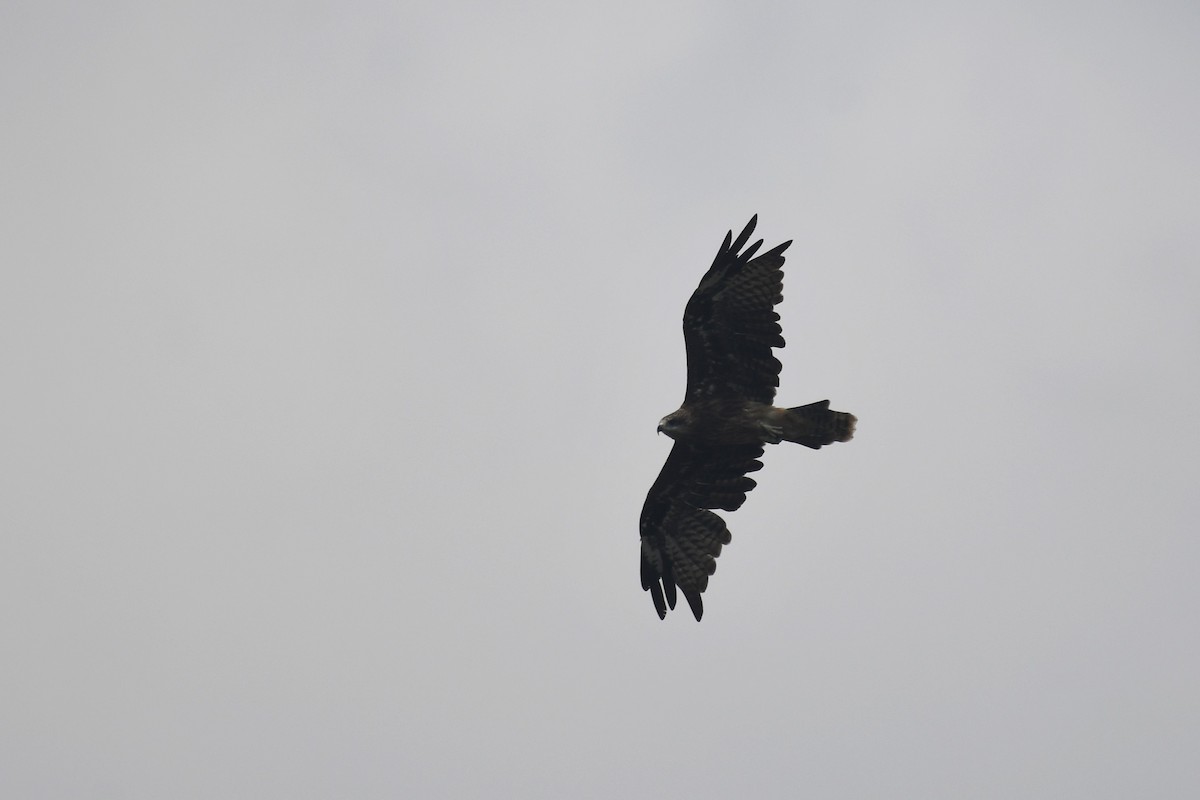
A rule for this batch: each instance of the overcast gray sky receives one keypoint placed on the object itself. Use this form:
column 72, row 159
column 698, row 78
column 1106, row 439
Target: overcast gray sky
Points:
column 335, row 336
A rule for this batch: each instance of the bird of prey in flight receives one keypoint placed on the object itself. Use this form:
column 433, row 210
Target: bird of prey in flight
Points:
column 729, row 327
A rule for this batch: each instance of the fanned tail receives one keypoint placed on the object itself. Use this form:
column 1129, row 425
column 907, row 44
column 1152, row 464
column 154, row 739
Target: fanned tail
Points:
column 815, row 425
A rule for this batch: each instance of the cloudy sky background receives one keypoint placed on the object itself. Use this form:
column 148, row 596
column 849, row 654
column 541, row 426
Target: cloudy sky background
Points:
column 334, row 337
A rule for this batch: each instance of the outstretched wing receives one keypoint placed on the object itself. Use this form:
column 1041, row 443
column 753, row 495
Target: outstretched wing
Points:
column 681, row 537
column 730, row 324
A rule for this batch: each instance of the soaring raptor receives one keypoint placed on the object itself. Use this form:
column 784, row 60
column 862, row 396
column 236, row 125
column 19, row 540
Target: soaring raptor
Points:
column 729, row 327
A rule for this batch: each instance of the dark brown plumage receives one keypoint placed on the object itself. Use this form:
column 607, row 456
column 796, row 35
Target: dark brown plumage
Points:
column 729, row 327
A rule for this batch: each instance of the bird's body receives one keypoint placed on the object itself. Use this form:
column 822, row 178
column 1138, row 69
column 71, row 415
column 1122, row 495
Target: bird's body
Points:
column 727, row 416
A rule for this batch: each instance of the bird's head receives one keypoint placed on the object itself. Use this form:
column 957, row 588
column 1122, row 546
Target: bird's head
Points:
column 673, row 424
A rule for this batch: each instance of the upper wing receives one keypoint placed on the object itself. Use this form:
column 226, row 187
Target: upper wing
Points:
column 681, row 538
column 730, row 325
